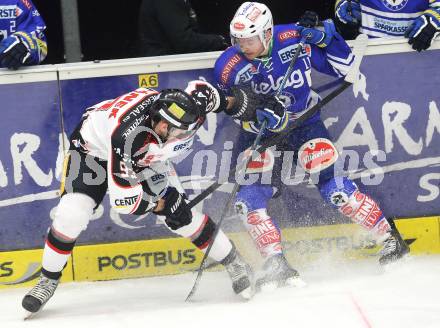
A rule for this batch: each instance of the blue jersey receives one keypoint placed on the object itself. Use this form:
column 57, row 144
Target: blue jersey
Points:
column 20, row 17
column 391, row 18
column 265, row 74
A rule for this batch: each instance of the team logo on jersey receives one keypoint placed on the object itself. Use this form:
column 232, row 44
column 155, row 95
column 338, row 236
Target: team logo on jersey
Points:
column 8, row 12
column 229, row 67
column 245, row 74
column 289, row 34
column 317, row 155
column 395, row 5
column 127, row 201
column 286, row 54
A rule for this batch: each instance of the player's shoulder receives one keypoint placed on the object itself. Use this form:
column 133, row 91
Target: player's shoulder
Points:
column 228, row 64
column 228, row 55
column 145, row 91
column 286, row 34
column 26, row 5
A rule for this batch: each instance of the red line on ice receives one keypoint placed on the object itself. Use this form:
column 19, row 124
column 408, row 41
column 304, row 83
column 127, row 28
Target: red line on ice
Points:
column 359, row 309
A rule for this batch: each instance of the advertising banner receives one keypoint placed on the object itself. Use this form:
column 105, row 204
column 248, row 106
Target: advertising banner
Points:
column 304, row 246
column 30, row 161
column 387, row 127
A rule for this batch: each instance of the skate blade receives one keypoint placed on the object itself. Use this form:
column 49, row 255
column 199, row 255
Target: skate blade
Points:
column 296, row 282
column 268, row 287
column 394, row 265
column 247, row 294
column 29, row 315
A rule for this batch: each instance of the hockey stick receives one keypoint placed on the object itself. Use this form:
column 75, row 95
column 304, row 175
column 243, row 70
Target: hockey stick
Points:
column 242, row 171
column 359, row 48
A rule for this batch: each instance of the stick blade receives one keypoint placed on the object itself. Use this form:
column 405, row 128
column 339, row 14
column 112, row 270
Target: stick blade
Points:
column 359, row 47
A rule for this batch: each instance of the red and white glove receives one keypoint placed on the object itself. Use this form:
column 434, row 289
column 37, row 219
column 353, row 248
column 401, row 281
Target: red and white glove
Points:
column 207, row 96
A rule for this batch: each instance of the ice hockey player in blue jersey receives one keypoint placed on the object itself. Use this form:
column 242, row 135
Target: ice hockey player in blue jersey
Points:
column 417, row 20
column 22, row 39
column 259, row 58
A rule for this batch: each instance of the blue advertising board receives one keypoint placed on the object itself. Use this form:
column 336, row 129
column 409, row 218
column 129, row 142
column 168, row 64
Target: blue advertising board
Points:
column 387, row 127
column 29, row 161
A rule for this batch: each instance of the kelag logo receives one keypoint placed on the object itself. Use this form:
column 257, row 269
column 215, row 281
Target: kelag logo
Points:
column 146, row 260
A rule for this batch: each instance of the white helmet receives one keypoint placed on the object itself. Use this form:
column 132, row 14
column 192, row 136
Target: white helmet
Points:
column 251, row 19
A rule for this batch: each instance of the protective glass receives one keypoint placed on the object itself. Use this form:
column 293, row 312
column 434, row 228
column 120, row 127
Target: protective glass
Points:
column 247, row 43
column 175, row 133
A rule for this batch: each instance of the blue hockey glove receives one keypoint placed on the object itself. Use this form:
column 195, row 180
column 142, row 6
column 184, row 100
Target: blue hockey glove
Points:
column 13, row 52
column 316, row 36
column 274, row 113
column 423, row 30
column 348, row 12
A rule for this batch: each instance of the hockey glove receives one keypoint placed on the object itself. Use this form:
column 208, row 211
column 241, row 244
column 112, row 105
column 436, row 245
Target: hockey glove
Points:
column 309, row 19
column 245, row 104
column 13, row 52
column 176, row 211
column 207, row 97
column 274, row 113
column 348, row 12
column 423, row 30
column 316, row 36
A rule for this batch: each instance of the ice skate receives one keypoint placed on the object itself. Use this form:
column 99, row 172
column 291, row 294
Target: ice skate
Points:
column 277, row 273
column 394, row 248
column 34, row 301
column 241, row 274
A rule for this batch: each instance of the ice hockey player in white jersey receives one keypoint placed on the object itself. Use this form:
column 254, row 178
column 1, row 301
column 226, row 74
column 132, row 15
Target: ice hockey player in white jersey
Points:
column 417, row 20
column 123, row 145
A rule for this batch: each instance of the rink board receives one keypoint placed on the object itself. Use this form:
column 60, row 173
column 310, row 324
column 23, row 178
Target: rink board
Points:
column 303, row 246
column 397, row 113
column 21, row 268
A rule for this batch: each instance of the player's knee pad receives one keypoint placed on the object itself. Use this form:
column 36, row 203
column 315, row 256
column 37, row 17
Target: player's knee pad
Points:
column 73, row 214
column 336, row 191
column 253, row 197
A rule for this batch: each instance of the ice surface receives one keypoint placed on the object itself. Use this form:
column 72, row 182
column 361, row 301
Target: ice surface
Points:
column 357, row 294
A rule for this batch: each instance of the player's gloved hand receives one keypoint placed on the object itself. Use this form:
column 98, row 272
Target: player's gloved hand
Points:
column 423, row 30
column 348, row 12
column 317, row 36
column 176, row 211
column 13, row 52
column 274, row 113
column 244, row 104
column 309, row 19
column 207, row 96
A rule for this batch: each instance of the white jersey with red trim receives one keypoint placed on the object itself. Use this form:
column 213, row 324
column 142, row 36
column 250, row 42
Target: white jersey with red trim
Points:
column 119, row 132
